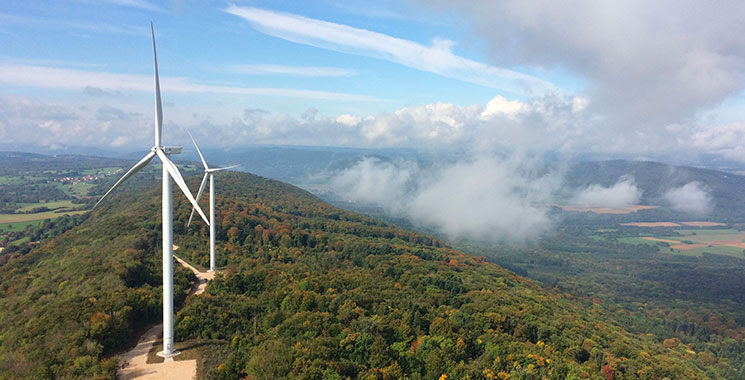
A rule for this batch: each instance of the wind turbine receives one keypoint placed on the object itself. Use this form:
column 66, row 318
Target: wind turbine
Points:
column 208, row 172
column 169, row 171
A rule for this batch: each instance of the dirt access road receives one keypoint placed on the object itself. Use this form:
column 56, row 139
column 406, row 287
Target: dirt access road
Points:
column 134, row 363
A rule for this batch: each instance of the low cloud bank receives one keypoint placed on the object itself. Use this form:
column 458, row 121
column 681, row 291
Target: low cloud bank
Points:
column 623, row 194
column 482, row 198
column 692, row 198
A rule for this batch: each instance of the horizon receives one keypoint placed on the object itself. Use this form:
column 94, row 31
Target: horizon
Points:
column 391, row 75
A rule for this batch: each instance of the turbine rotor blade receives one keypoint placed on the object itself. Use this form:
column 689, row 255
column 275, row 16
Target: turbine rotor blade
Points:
column 198, row 151
column 141, row 164
column 225, row 168
column 158, row 105
column 199, row 195
column 202, row 186
column 173, row 171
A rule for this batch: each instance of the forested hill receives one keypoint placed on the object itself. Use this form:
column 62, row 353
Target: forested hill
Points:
column 309, row 291
column 654, row 179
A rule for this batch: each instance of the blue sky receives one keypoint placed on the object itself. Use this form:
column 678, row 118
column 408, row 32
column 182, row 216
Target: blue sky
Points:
column 577, row 78
column 202, row 42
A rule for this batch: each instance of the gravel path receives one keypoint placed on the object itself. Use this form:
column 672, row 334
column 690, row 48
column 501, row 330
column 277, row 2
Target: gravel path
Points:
column 134, row 363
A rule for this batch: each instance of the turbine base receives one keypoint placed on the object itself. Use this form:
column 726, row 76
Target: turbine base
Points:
column 166, row 356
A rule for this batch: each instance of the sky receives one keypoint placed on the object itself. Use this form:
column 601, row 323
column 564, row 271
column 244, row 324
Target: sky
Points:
column 637, row 78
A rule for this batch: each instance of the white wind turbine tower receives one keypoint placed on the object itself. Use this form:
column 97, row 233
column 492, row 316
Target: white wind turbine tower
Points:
column 208, row 172
column 169, row 171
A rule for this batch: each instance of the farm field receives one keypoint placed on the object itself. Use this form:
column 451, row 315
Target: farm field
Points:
column 17, row 218
column 695, row 242
column 53, row 205
column 19, row 226
column 605, row 210
column 674, row 224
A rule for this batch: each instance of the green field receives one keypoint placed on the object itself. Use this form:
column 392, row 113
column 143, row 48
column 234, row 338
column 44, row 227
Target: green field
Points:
column 53, row 205
column 17, row 218
column 82, row 188
column 716, row 241
column 19, row 226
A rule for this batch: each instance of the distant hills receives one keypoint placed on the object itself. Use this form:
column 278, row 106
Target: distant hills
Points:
column 308, row 291
column 653, row 179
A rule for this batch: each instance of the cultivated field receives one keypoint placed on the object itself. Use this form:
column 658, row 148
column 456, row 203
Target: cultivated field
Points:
column 605, row 210
column 695, row 242
column 674, row 224
column 18, row 218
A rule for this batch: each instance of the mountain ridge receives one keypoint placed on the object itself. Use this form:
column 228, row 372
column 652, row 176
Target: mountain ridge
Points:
column 309, row 291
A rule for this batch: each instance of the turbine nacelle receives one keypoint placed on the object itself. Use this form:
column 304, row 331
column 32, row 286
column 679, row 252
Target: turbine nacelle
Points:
column 169, row 150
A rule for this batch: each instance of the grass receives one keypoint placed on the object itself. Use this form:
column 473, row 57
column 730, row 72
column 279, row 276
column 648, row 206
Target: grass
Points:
column 18, row 218
column 636, row 240
column 20, row 241
column 82, row 188
column 20, row 226
column 717, row 250
column 51, row 205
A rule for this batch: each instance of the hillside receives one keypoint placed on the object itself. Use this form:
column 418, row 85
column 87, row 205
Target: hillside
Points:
column 654, row 179
column 309, row 292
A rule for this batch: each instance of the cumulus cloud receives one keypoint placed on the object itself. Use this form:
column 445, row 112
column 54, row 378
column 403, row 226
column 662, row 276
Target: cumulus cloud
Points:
column 645, row 64
column 692, row 198
column 551, row 122
column 51, row 124
column 485, row 198
column 623, row 194
column 726, row 140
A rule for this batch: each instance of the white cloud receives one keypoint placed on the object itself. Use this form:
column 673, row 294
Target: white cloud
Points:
column 500, row 105
column 437, row 58
column 725, row 140
column 52, row 124
column 372, row 181
column 348, row 120
column 70, row 25
column 299, row 71
column 134, row 4
column 119, row 141
column 645, row 64
column 73, row 79
column 692, row 198
column 623, row 194
column 484, row 198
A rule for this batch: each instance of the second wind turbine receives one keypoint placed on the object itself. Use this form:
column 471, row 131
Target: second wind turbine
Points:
column 208, row 172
